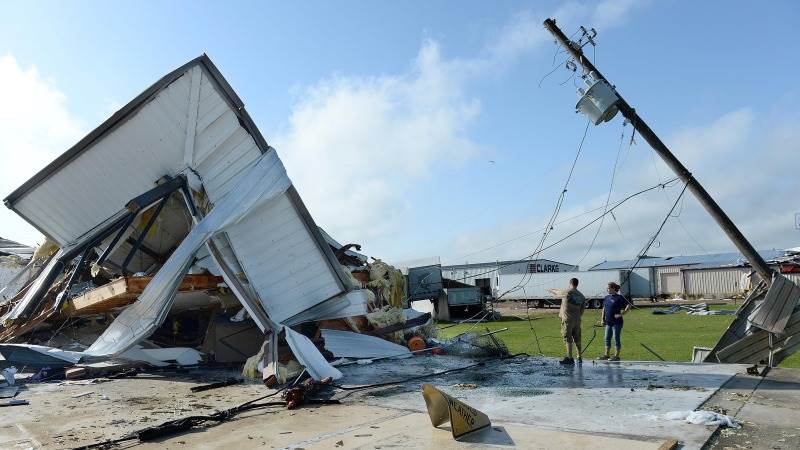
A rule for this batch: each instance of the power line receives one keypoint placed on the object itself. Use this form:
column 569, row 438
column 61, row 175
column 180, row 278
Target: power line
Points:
column 583, row 227
column 608, row 197
column 653, row 238
column 556, row 210
column 680, row 222
column 522, row 236
column 554, row 69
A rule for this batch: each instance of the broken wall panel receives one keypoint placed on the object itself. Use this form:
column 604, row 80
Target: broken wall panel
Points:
column 737, row 329
column 263, row 182
column 223, row 149
column 754, row 347
column 98, row 182
column 781, row 299
column 285, row 267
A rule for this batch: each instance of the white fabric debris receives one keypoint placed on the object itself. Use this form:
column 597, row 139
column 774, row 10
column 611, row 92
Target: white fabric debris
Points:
column 263, row 182
column 346, row 344
column 703, row 418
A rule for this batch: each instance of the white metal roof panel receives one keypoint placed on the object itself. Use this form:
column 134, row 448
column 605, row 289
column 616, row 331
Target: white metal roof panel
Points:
column 283, row 262
column 99, row 182
column 345, row 344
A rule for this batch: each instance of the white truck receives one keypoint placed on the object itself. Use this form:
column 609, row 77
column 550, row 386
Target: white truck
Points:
column 534, row 287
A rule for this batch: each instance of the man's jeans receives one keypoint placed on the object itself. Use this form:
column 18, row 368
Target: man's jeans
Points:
column 616, row 329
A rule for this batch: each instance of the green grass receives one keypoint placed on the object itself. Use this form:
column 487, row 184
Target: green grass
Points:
column 671, row 336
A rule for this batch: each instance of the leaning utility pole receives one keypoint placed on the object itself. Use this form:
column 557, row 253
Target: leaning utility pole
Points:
column 736, row 236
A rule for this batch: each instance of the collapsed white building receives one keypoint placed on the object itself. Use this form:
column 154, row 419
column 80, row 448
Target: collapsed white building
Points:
column 179, row 181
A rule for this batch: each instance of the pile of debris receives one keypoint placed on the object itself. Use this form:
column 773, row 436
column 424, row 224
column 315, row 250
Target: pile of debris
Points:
column 175, row 237
column 766, row 329
column 699, row 309
column 14, row 261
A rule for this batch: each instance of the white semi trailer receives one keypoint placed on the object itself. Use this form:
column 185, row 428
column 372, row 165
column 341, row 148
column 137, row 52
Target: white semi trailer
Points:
column 533, row 287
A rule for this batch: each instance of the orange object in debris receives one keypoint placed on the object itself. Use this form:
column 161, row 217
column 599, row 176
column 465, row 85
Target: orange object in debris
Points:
column 437, row 351
column 416, row 344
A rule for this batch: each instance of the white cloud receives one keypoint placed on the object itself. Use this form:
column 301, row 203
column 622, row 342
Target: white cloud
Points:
column 35, row 127
column 526, row 32
column 355, row 144
column 610, row 13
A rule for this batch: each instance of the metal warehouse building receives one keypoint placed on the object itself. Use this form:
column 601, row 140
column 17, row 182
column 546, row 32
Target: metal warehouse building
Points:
column 717, row 275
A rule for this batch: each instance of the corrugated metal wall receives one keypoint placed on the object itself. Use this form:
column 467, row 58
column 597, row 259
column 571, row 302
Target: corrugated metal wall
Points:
column 286, row 248
column 222, row 148
column 714, row 283
column 722, row 282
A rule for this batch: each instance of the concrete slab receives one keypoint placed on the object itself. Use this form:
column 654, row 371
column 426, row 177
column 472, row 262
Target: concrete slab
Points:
column 626, row 399
column 414, row 430
column 533, row 402
column 768, row 408
column 352, row 425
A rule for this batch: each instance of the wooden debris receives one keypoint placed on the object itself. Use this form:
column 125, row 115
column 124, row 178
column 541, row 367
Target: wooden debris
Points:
column 125, row 290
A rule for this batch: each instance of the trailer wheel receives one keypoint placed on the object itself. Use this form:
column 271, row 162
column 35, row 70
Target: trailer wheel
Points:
column 596, row 303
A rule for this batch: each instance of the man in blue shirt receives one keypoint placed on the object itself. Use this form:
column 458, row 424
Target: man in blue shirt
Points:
column 614, row 307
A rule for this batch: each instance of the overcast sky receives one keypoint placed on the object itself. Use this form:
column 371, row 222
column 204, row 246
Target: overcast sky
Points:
column 433, row 128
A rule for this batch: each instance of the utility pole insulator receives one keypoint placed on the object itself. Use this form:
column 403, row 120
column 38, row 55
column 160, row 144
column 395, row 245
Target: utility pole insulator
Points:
column 705, row 199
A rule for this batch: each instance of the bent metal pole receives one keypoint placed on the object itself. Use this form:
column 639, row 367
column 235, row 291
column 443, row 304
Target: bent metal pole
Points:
column 736, row 236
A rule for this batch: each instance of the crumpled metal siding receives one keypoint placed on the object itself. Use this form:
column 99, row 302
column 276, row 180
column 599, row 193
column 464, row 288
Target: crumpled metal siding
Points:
column 223, row 150
column 754, row 348
column 280, row 256
column 98, row 182
column 151, row 145
column 285, row 266
column 781, row 299
column 346, row 344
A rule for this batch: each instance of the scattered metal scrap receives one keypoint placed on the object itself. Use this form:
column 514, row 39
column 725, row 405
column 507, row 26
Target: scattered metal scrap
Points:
column 767, row 327
column 699, row 309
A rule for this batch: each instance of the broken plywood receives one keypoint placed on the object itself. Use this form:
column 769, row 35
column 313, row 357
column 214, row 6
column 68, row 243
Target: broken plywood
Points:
column 125, row 290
